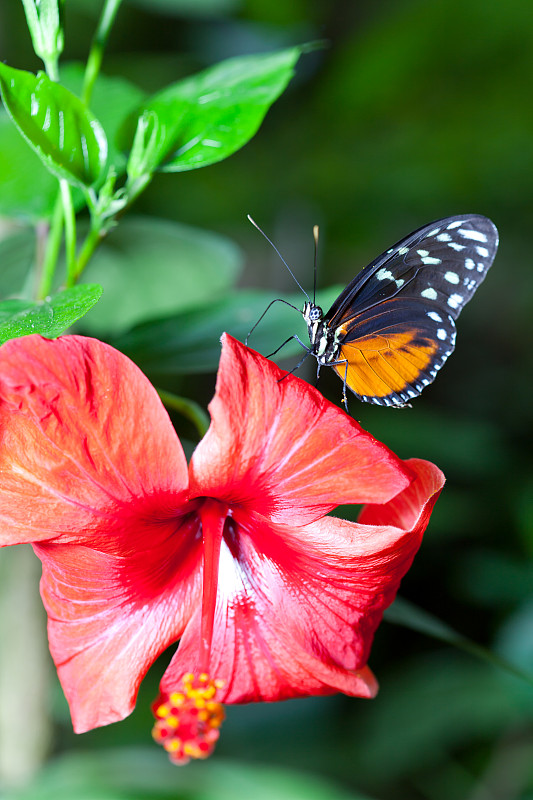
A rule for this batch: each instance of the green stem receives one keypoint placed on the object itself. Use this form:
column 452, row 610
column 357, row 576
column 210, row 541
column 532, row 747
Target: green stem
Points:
column 93, row 239
column 99, row 42
column 53, row 243
column 100, row 229
column 69, row 216
column 187, row 408
column 53, row 246
column 51, row 66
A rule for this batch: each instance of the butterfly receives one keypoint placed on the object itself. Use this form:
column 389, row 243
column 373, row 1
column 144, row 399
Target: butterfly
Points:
column 393, row 327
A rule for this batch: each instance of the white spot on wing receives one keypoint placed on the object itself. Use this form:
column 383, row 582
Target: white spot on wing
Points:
column 434, row 316
column 477, row 236
column 469, row 263
column 455, row 300
column 433, row 232
column 451, row 277
column 423, row 253
column 456, row 246
column 483, row 252
column 429, row 293
column 384, row 274
column 444, row 237
column 430, row 260
column 441, row 334
column 455, row 224
column 403, row 250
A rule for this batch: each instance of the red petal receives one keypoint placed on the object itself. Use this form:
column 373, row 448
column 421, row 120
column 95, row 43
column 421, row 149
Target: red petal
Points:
column 403, row 510
column 83, row 434
column 297, row 608
column 279, row 448
column 111, row 615
column 92, row 471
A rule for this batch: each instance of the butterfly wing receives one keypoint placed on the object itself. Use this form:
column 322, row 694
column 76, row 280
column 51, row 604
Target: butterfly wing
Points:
column 395, row 322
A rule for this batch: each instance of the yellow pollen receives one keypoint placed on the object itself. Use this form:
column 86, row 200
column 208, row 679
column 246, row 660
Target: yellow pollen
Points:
column 172, row 745
column 193, row 710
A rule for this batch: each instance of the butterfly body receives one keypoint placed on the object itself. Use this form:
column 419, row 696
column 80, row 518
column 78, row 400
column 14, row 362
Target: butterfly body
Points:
column 393, row 327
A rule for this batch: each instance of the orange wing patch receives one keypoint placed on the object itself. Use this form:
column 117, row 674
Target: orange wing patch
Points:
column 381, row 365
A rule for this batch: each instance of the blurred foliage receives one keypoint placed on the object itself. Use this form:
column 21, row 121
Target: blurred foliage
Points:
column 187, row 267
column 413, row 111
column 137, row 774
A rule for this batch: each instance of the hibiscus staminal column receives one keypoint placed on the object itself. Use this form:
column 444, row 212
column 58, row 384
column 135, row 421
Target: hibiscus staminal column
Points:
column 188, row 719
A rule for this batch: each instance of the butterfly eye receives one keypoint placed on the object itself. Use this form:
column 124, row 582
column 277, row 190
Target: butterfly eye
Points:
column 315, row 314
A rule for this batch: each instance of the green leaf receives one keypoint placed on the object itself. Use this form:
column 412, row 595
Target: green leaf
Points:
column 27, row 189
column 65, row 135
column 153, row 267
column 113, row 100
column 207, row 117
column 48, row 317
column 190, row 341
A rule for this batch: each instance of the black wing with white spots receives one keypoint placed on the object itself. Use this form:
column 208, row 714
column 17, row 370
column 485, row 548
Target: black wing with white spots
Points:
column 395, row 322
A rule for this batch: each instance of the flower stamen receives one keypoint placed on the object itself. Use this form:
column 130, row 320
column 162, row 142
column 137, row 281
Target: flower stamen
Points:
column 188, row 720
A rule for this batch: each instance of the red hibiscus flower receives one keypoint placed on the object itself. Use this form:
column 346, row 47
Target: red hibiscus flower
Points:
column 233, row 555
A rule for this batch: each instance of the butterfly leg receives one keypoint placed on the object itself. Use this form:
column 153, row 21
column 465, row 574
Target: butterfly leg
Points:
column 299, row 364
column 287, row 342
column 345, row 381
column 344, row 397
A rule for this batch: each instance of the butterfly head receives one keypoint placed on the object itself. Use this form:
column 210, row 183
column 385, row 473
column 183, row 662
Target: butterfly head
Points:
column 312, row 313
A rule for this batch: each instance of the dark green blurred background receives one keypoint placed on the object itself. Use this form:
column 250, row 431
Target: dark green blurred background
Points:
column 413, row 111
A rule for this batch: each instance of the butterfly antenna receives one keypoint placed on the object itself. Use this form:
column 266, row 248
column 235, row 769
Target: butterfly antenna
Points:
column 271, row 243
column 315, row 237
